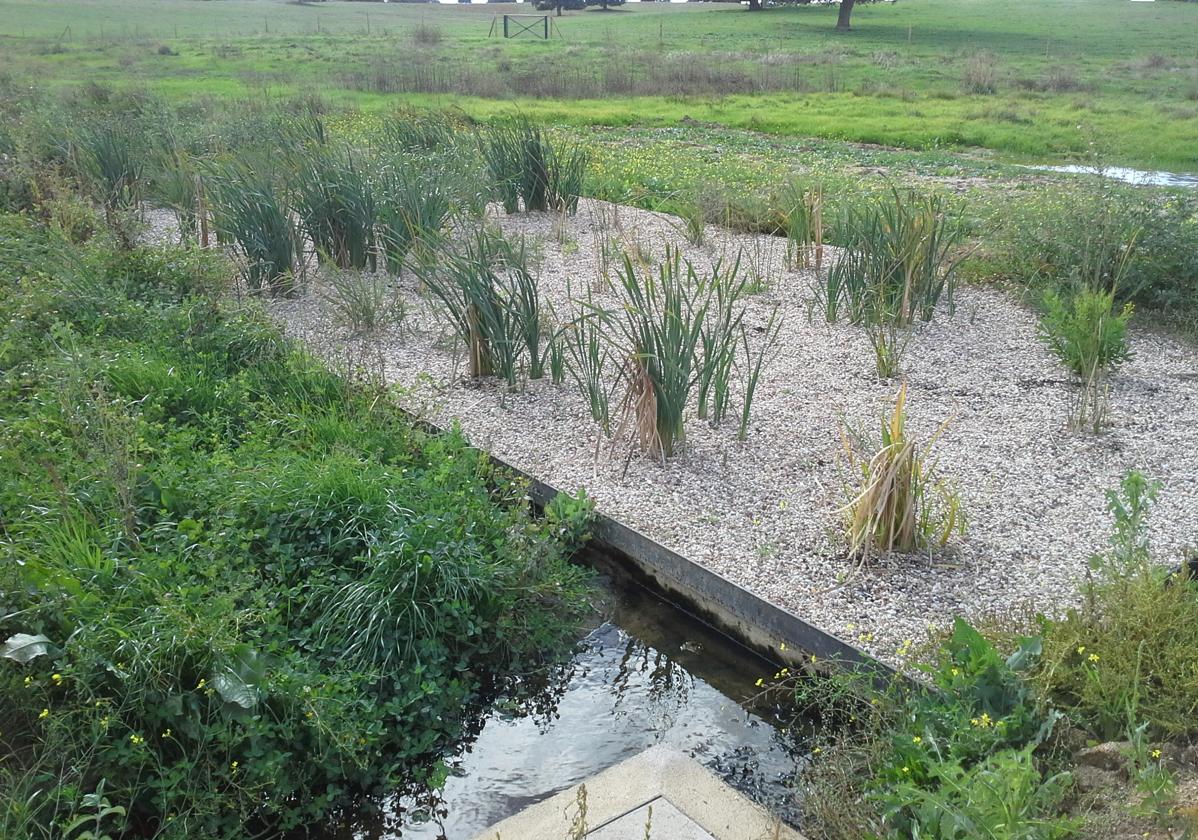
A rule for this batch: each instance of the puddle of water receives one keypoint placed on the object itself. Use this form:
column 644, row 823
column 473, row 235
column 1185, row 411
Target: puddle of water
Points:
column 1139, row 177
column 650, row 674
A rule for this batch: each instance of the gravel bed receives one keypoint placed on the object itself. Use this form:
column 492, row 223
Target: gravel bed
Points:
column 764, row 513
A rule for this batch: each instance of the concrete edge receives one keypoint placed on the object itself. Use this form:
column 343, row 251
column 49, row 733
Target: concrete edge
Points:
column 658, row 772
column 775, row 633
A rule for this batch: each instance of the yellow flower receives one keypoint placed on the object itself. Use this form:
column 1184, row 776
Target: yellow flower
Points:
column 1093, row 657
column 45, row 714
column 1081, row 649
column 956, row 672
column 784, row 671
column 760, row 682
column 782, row 646
column 136, row 740
column 166, row 733
column 56, row 677
column 917, row 740
column 203, row 682
column 817, row 750
column 28, row 681
column 906, row 769
column 1156, row 753
column 233, row 767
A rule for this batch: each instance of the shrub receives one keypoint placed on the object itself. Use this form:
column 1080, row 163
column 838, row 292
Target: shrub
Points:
column 525, row 165
column 898, row 501
column 981, row 76
column 1084, row 332
column 1129, row 654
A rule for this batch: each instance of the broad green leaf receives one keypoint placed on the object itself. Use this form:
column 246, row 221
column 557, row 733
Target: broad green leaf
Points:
column 23, row 647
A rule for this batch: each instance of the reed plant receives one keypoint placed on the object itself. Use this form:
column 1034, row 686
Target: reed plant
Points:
column 250, row 210
column 415, row 130
column 803, row 222
column 529, row 168
column 898, row 262
column 414, row 206
column 491, row 298
column 658, row 331
column 177, row 185
column 588, row 359
column 718, row 342
column 898, row 501
column 753, row 364
column 334, row 199
column 113, row 159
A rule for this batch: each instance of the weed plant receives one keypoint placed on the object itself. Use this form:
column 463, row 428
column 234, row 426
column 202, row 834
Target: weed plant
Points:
column 225, row 556
column 898, row 501
column 363, row 301
column 1128, row 655
column 589, row 358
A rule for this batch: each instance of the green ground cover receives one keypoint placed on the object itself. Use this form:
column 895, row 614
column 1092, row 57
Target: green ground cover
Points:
column 1028, row 80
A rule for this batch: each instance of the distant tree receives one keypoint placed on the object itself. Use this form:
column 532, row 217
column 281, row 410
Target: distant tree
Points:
column 842, row 20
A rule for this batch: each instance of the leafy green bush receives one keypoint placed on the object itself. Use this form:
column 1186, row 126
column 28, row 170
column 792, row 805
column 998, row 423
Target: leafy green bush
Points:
column 220, row 556
column 1129, row 654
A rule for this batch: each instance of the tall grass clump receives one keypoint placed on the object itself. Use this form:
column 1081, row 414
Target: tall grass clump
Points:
column 334, row 199
column 113, row 159
column 363, row 301
column 802, row 212
column 529, row 168
column 588, row 358
column 659, row 333
column 491, row 298
column 177, row 183
column 898, row 263
column 898, row 501
column 414, row 206
column 413, row 130
column 250, row 210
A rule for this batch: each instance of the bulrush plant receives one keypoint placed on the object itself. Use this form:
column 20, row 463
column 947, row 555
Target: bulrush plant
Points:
column 898, row 502
column 112, row 159
column 527, row 168
column 658, row 331
column 249, row 210
column 898, row 260
column 491, row 298
column 413, row 208
column 334, row 199
column 803, row 222
column 898, row 263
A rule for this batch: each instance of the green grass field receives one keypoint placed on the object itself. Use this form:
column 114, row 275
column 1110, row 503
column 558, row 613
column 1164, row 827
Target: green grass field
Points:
column 1031, row 81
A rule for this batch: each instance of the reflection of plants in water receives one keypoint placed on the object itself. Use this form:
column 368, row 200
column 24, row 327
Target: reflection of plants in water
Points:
column 665, row 681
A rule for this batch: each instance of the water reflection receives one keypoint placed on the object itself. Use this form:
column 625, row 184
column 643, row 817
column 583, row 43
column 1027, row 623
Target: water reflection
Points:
column 649, row 675
column 1140, row 177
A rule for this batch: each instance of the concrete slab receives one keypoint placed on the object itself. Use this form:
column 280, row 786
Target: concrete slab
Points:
column 659, row 817
column 688, row 797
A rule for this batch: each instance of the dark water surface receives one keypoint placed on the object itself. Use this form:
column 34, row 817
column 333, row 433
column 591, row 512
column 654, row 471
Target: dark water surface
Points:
column 650, row 674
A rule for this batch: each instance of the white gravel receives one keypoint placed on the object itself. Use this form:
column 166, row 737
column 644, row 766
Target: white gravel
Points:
column 764, row 512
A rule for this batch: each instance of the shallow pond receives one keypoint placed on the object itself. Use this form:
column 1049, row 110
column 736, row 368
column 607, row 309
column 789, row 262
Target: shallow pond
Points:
column 649, row 674
column 1140, row 177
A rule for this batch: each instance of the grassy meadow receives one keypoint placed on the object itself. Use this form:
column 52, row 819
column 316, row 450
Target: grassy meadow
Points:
column 1041, row 82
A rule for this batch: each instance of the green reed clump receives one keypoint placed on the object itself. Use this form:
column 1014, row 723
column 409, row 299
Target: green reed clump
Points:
column 589, row 358
column 414, row 206
column 113, row 159
column 416, row 130
column 659, row 332
column 898, row 260
column 334, row 199
column 802, row 210
column 249, row 209
column 492, row 301
column 527, row 167
column 898, row 501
